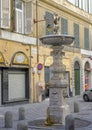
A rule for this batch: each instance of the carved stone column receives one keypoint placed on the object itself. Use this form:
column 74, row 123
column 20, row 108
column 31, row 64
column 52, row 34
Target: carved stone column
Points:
column 58, row 88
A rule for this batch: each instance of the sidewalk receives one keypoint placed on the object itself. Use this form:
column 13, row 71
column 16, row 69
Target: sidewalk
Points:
column 38, row 111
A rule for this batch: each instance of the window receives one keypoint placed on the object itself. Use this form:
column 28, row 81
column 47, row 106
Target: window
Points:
column 77, row 3
column 23, row 16
column 83, row 4
column 76, row 35
column 90, row 6
column 5, row 13
column 86, row 38
column 19, row 17
column 80, row 3
column 86, row 5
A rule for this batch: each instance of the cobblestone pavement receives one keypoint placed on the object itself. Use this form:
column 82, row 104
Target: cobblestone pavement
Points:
column 36, row 111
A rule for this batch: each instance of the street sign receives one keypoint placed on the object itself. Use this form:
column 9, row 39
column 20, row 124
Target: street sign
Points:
column 39, row 66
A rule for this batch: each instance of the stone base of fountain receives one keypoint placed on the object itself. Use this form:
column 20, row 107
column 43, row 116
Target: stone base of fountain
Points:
column 40, row 124
column 58, row 114
column 58, row 107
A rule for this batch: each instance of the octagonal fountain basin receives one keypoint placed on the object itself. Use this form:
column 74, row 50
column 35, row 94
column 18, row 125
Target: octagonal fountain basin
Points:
column 57, row 39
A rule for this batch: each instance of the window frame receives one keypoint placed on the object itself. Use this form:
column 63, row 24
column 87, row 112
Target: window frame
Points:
column 16, row 20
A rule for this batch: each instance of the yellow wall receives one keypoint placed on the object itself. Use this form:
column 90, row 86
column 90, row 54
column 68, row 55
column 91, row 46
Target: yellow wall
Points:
column 63, row 9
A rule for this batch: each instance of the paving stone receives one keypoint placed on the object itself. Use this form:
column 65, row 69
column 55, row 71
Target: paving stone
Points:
column 38, row 110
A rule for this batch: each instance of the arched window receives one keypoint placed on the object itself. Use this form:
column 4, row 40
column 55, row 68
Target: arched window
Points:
column 76, row 66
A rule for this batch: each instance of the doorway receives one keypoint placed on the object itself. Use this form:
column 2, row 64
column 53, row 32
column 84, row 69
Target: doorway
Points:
column 77, row 78
column 87, row 74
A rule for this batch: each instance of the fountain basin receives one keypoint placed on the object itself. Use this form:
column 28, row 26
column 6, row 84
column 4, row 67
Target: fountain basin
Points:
column 57, row 39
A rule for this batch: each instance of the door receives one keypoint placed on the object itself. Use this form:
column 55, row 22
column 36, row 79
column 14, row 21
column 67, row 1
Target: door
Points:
column 77, row 78
column 16, row 85
column 87, row 74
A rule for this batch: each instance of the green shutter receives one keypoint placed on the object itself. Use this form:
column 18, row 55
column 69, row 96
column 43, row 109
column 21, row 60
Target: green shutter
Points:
column 86, row 38
column 76, row 35
column 49, row 23
column 64, row 26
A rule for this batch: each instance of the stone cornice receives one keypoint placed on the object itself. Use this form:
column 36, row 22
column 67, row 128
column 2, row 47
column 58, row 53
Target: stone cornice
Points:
column 6, row 35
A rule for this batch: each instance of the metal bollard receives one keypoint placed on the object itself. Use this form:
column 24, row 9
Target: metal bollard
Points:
column 22, row 126
column 21, row 113
column 69, row 122
column 8, row 120
column 76, row 107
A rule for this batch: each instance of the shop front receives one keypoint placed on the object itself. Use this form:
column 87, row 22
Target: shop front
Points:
column 14, row 85
column 14, row 80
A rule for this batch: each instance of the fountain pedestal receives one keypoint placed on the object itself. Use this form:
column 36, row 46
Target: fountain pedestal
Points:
column 58, row 88
column 58, row 84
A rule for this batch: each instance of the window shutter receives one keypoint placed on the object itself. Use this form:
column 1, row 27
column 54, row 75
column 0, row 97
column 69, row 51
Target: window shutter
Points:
column 64, row 26
column 28, row 17
column 76, row 35
column 86, row 38
column 5, row 14
column 49, row 23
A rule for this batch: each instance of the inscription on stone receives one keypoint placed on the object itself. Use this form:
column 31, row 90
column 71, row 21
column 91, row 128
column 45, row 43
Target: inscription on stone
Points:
column 54, row 97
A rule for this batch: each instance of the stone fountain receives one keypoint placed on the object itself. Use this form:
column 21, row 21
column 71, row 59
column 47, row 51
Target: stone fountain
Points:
column 58, row 108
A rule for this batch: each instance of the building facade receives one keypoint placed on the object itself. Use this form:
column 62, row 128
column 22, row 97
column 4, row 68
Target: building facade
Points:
column 22, row 23
column 75, row 21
